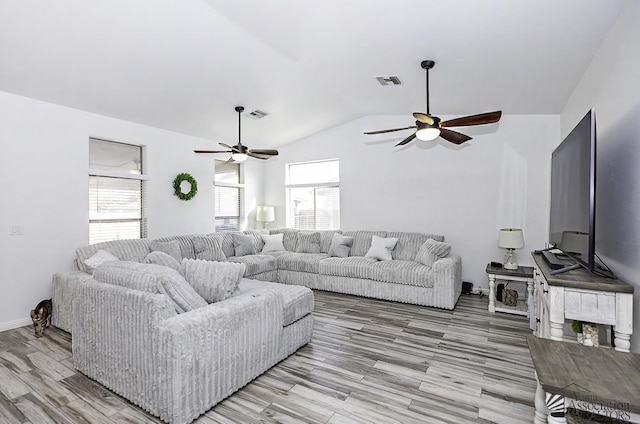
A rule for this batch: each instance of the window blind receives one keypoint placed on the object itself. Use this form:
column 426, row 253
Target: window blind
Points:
column 227, row 208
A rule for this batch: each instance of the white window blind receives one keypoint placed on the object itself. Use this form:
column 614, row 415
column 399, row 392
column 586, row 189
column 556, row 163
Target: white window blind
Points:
column 228, row 196
column 313, row 195
column 116, row 192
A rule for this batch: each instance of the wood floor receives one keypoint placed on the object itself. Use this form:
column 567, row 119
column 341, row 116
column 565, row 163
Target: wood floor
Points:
column 370, row 361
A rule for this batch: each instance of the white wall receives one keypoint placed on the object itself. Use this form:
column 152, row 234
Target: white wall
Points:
column 498, row 179
column 44, row 174
column 611, row 86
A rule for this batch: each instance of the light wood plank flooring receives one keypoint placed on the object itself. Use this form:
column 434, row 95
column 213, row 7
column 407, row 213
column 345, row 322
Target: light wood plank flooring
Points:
column 370, row 361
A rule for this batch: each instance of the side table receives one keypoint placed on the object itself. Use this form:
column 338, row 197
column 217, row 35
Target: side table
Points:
column 523, row 274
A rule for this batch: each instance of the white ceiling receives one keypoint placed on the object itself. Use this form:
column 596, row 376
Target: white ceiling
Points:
column 183, row 65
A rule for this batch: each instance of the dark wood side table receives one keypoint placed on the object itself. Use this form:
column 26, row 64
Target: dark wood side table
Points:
column 523, row 274
column 596, row 380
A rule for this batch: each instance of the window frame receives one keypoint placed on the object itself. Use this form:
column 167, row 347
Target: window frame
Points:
column 142, row 177
column 240, row 185
column 290, row 218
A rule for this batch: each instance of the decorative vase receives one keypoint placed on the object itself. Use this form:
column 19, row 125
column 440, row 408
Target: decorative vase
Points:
column 591, row 335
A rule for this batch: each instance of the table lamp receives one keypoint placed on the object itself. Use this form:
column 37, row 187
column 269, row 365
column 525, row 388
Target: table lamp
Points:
column 265, row 214
column 510, row 239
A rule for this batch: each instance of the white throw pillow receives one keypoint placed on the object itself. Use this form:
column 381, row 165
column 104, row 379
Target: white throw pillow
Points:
column 98, row 258
column 340, row 246
column 273, row 243
column 164, row 259
column 381, row 248
column 431, row 251
column 214, row 281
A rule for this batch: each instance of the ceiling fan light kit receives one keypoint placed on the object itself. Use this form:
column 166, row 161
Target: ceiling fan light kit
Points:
column 240, row 152
column 429, row 127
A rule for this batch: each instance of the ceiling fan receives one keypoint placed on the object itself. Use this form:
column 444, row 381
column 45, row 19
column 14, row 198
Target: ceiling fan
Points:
column 430, row 127
column 240, row 152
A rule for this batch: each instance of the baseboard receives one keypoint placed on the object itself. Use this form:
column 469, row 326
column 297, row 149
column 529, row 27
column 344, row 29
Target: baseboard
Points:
column 16, row 323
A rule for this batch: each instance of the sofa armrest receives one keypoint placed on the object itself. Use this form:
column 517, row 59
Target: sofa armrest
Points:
column 65, row 288
column 447, row 282
column 113, row 339
column 215, row 350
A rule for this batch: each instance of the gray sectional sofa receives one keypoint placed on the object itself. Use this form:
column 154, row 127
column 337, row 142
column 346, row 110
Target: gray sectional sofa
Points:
column 129, row 334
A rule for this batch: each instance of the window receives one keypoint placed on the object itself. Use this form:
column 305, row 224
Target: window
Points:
column 313, row 195
column 116, row 191
column 228, row 196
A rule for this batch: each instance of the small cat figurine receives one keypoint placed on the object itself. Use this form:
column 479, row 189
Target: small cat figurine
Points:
column 41, row 317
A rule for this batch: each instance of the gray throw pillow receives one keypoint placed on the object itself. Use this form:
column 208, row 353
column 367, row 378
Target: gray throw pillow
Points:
column 244, row 244
column 208, row 248
column 308, row 243
column 98, row 258
column 340, row 246
column 161, row 258
column 214, row 281
column 381, row 248
column 431, row 251
column 171, row 248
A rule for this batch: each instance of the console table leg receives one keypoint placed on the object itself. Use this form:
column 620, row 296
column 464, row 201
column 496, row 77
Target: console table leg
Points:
column 541, row 407
column 623, row 343
column 557, row 331
column 492, row 293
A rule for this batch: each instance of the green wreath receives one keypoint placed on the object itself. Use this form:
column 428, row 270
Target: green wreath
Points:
column 178, row 189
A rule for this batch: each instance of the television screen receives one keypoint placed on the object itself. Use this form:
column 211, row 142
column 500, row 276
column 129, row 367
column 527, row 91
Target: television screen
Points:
column 573, row 173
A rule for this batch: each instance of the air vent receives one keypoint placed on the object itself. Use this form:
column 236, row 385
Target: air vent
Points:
column 258, row 114
column 389, row 80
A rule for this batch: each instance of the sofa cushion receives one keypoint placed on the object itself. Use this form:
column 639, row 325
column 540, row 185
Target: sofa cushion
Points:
column 354, row 266
column 326, row 237
column 381, row 248
column 409, row 243
column 152, row 278
column 244, row 244
column 171, row 248
column 161, row 258
column 208, row 248
column 98, row 258
column 401, row 272
column 308, row 242
column 126, row 250
column 185, row 242
column 298, row 301
column 431, row 251
column 303, row 262
column 256, row 264
column 289, row 239
column 226, row 241
column 340, row 246
column 362, row 241
column 214, row 281
column 273, row 243
column 257, row 235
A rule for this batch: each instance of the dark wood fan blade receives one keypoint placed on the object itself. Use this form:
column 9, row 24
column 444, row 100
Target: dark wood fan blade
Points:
column 387, row 131
column 453, row 136
column 213, row 151
column 423, row 117
column 480, row 119
column 264, row 152
column 229, row 147
column 258, row 156
column 406, row 140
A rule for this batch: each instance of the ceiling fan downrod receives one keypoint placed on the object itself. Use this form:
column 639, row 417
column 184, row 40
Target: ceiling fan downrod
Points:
column 239, row 109
column 426, row 65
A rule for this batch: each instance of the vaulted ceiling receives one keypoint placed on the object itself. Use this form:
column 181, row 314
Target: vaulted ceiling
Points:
column 183, row 65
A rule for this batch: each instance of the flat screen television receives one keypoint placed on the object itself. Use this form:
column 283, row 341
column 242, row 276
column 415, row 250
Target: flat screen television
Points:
column 573, row 193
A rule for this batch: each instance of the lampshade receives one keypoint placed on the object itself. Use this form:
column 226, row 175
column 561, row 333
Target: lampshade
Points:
column 239, row 157
column 265, row 214
column 574, row 242
column 511, row 238
column 428, row 133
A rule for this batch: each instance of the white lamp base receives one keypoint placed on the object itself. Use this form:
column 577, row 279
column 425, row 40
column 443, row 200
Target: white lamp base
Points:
column 510, row 260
